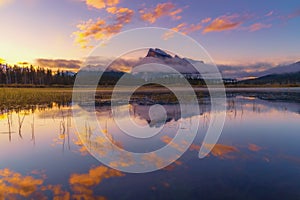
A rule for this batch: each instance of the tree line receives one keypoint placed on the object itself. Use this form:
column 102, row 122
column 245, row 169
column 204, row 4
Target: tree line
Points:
column 31, row 75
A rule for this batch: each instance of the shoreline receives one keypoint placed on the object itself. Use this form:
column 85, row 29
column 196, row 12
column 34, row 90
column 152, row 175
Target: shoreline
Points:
column 161, row 89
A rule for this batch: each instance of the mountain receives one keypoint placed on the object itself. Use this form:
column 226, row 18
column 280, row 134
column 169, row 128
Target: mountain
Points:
column 256, row 70
column 282, row 69
column 285, row 78
column 157, row 57
column 158, row 53
column 282, row 74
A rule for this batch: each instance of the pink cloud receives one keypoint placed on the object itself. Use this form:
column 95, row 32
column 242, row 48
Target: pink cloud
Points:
column 258, row 26
column 269, row 13
column 183, row 28
column 161, row 10
column 186, row 28
column 224, row 23
column 206, row 20
column 294, row 14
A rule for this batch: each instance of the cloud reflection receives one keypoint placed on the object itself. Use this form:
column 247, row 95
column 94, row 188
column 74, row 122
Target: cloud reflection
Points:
column 14, row 184
column 222, row 151
column 82, row 184
column 254, row 147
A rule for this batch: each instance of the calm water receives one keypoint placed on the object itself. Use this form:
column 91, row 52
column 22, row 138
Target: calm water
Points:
column 257, row 155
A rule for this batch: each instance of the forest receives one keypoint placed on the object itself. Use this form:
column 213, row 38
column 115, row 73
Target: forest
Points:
column 31, row 75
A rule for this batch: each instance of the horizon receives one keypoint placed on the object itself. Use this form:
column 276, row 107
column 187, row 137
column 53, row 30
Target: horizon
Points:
column 130, row 60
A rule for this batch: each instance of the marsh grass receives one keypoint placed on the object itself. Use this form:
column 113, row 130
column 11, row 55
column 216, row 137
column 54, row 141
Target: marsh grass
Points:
column 30, row 98
column 22, row 98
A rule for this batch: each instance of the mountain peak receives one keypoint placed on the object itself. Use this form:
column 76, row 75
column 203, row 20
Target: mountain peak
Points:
column 158, row 53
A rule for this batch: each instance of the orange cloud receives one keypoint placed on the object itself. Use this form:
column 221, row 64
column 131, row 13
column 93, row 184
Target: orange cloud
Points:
column 100, row 29
column 194, row 147
column 178, row 28
column 189, row 28
column 254, row 147
column 223, row 23
column 58, row 63
column 82, row 148
column 153, row 158
column 14, row 184
column 94, row 177
column 221, row 151
column 184, row 28
column 100, row 4
column 206, row 20
column 258, row 26
column 178, row 146
column 58, row 192
column 173, row 165
column 101, row 146
column 123, row 15
column 89, row 29
column 161, row 10
column 82, row 184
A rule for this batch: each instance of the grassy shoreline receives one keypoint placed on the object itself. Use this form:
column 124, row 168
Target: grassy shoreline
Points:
column 151, row 86
column 52, row 92
column 15, row 98
column 28, row 98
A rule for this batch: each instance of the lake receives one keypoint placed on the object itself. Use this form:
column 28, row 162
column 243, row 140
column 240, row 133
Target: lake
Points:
column 43, row 155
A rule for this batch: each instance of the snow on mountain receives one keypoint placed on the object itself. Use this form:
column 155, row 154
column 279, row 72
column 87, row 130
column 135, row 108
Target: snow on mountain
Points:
column 157, row 57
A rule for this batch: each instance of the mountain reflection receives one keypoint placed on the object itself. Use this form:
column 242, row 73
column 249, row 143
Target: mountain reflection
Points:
column 15, row 121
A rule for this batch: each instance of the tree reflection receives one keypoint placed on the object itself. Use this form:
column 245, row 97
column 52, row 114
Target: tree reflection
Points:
column 20, row 122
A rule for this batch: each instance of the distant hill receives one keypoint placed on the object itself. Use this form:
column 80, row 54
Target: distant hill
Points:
column 282, row 69
column 281, row 79
column 257, row 70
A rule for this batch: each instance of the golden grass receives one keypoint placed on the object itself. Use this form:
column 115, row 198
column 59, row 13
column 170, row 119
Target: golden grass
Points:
column 26, row 97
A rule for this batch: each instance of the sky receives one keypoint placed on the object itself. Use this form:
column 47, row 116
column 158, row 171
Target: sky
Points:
column 234, row 32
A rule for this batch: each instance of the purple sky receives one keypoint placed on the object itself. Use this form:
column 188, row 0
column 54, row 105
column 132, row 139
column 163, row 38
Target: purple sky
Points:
column 233, row 31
